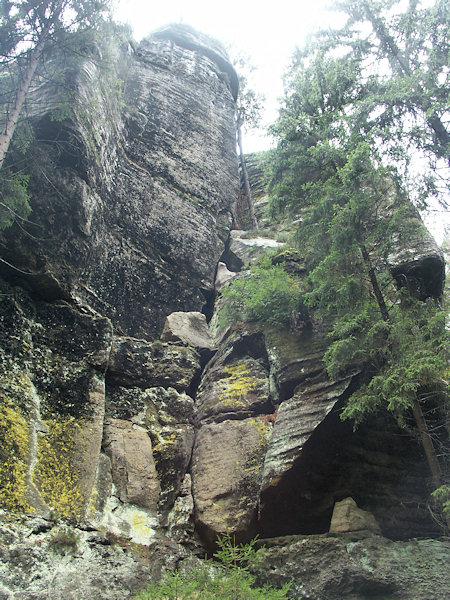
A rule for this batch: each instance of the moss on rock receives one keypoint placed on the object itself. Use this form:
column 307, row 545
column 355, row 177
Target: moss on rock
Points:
column 55, row 474
column 14, row 457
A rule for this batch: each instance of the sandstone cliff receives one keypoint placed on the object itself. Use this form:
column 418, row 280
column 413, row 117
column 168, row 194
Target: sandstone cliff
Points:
column 151, row 443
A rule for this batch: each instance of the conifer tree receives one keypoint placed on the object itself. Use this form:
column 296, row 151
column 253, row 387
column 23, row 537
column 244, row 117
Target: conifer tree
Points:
column 329, row 169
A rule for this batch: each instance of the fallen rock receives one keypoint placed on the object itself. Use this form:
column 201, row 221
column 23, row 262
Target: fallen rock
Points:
column 223, row 276
column 189, row 328
column 348, row 517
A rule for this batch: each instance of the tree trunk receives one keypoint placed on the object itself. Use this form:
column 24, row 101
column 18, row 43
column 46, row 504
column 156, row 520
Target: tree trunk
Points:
column 427, row 444
column 25, row 81
column 21, row 94
column 247, row 189
column 375, row 285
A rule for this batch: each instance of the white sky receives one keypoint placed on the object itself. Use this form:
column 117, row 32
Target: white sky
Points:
column 266, row 34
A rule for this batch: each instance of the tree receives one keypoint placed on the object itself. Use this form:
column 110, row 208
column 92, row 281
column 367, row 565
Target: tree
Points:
column 354, row 212
column 400, row 99
column 248, row 115
column 29, row 30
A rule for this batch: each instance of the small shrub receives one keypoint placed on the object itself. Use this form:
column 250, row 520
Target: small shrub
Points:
column 229, row 579
column 267, row 294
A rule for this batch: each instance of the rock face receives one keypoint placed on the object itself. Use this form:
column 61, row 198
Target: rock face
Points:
column 135, row 195
column 137, row 220
column 187, row 436
column 357, row 567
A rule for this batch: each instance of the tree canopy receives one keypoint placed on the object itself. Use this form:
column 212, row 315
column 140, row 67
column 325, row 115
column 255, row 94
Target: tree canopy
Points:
column 383, row 77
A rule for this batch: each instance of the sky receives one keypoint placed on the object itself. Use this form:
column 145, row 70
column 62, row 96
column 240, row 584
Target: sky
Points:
column 266, row 34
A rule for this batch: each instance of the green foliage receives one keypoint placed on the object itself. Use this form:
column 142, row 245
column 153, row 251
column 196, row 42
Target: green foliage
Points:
column 382, row 79
column 345, row 135
column 227, row 579
column 266, row 293
column 442, row 497
column 412, row 357
column 13, row 197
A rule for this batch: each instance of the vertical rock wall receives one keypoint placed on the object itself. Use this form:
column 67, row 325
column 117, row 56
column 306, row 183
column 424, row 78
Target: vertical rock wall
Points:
column 131, row 195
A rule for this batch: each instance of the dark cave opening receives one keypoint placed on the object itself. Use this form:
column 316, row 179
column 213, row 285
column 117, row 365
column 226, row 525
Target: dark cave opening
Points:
column 379, row 465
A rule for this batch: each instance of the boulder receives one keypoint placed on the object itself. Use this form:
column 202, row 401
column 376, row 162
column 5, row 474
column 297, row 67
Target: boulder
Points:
column 149, row 364
column 348, row 517
column 223, row 276
column 189, row 328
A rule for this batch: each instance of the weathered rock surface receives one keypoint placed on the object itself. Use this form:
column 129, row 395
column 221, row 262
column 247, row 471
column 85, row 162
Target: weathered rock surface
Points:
column 248, row 250
column 52, row 367
column 226, row 475
column 41, row 560
column 296, row 420
column 138, row 363
column 223, row 276
column 417, row 262
column 138, row 207
column 357, row 567
column 99, row 424
column 133, row 469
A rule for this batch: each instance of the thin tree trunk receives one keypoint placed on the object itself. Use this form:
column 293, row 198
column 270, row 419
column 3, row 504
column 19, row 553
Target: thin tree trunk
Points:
column 427, row 444
column 247, row 189
column 25, row 82
column 21, row 94
column 375, row 285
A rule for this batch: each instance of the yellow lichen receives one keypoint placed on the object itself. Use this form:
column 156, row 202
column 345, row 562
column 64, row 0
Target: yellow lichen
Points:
column 239, row 384
column 55, row 474
column 14, row 457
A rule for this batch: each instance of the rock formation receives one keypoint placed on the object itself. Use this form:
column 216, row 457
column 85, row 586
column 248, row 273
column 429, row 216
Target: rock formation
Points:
column 120, row 414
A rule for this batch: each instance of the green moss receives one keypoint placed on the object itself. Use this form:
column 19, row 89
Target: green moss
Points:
column 14, row 457
column 56, row 475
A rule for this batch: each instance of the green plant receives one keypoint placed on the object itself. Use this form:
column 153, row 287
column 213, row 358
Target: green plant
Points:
column 64, row 541
column 228, row 578
column 266, row 293
column 442, row 497
column 13, row 198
